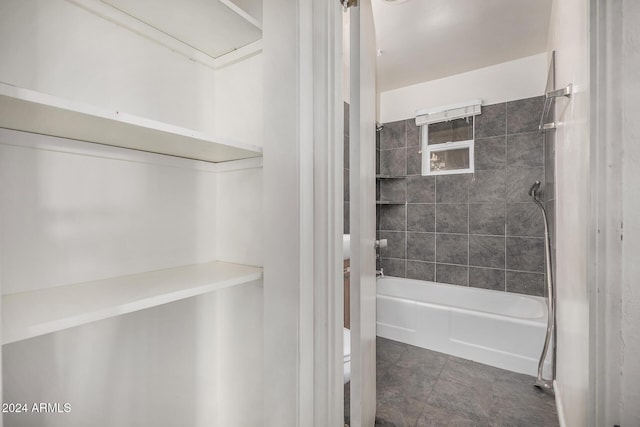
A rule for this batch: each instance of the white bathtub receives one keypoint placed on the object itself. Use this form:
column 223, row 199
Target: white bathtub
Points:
column 495, row 328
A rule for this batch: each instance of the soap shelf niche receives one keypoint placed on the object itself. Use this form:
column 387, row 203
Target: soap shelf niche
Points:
column 389, row 177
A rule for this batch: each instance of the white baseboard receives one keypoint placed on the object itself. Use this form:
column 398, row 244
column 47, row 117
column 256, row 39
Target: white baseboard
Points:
column 559, row 405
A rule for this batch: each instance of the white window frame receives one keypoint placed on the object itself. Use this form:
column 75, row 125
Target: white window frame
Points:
column 443, row 114
column 427, row 149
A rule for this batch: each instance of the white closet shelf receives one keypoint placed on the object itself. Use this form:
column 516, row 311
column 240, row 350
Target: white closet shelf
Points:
column 31, row 111
column 30, row 314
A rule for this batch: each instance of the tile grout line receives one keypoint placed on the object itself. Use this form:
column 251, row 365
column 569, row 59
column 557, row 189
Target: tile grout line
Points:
column 406, row 208
column 435, row 221
column 468, row 229
column 504, row 207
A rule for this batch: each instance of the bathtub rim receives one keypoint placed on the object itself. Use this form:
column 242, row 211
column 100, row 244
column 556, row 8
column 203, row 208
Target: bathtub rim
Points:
column 541, row 319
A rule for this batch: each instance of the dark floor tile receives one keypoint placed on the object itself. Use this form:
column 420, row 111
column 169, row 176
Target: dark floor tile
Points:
column 401, row 411
column 414, row 381
column 425, row 388
column 469, row 373
column 454, row 397
column 509, row 417
column 431, row 362
column 388, row 352
column 437, row 417
column 519, row 403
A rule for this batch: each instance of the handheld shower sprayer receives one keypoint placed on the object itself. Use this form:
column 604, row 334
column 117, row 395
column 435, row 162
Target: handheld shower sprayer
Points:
column 533, row 191
column 550, row 338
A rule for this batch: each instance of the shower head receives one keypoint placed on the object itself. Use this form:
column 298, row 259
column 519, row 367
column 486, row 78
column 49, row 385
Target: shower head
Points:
column 533, row 191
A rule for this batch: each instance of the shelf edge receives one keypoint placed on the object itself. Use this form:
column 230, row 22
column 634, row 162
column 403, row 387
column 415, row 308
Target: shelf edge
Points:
column 43, row 328
column 59, row 105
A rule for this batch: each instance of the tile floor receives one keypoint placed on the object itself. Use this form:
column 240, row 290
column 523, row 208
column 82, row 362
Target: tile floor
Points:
column 418, row 388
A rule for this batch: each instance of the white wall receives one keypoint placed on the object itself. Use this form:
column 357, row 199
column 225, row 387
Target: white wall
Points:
column 569, row 37
column 154, row 367
column 239, row 221
column 88, row 212
column 508, row 81
column 72, row 211
column 58, row 48
column 157, row 367
column 238, row 108
column 630, row 296
column 84, row 57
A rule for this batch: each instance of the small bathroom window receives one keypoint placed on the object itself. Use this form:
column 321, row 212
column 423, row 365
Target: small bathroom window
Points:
column 448, row 158
column 447, row 135
column 447, row 147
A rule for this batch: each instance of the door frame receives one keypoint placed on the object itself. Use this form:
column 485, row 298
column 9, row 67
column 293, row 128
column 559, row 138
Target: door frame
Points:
column 362, row 170
column 302, row 176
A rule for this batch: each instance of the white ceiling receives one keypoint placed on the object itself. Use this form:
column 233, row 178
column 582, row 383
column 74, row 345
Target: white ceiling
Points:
column 423, row 40
column 211, row 26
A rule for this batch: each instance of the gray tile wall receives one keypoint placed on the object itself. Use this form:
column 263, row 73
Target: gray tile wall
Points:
column 480, row 229
column 549, row 195
column 346, row 169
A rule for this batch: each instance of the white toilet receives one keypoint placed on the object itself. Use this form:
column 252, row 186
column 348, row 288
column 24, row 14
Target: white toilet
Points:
column 346, row 345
